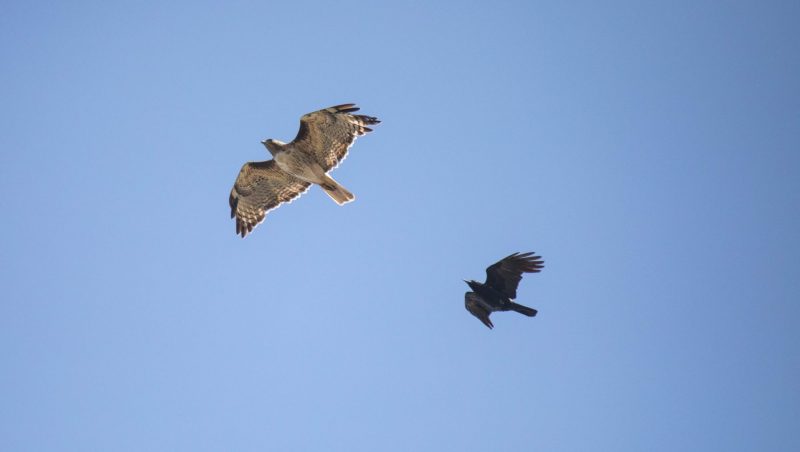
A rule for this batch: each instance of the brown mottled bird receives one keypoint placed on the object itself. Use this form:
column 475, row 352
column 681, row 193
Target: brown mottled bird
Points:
column 320, row 145
column 500, row 288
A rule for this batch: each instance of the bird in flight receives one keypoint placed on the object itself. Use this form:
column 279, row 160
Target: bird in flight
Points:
column 321, row 144
column 500, row 288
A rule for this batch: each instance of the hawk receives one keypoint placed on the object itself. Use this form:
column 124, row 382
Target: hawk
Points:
column 500, row 288
column 321, row 144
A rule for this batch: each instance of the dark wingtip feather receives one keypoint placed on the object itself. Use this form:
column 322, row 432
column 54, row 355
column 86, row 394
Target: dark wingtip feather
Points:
column 233, row 202
column 368, row 120
column 242, row 228
column 346, row 108
column 530, row 262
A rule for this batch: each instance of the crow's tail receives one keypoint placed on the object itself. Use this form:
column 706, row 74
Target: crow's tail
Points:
column 530, row 312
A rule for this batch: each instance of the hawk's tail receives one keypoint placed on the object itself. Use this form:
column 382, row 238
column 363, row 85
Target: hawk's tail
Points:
column 530, row 312
column 336, row 191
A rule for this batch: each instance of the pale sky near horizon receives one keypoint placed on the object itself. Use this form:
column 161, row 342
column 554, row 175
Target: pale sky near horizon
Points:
column 649, row 151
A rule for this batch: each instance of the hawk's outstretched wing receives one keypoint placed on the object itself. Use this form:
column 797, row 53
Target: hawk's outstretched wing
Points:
column 475, row 306
column 259, row 188
column 327, row 134
column 506, row 274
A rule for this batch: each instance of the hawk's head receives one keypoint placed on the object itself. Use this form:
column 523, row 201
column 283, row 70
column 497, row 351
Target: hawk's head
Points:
column 274, row 146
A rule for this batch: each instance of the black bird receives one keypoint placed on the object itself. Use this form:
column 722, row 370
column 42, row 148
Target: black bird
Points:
column 500, row 288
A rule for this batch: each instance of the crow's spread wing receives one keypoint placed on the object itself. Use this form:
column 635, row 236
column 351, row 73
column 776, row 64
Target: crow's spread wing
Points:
column 475, row 305
column 506, row 274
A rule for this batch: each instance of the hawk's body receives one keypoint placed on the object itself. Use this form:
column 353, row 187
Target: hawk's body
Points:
column 321, row 144
column 500, row 288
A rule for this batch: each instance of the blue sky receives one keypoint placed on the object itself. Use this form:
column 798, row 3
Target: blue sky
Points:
column 647, row 150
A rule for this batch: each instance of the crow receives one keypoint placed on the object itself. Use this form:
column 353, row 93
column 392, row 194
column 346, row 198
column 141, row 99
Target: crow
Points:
column 500, row 288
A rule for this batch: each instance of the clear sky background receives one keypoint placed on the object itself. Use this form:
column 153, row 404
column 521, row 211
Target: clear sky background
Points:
column 649, row 151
